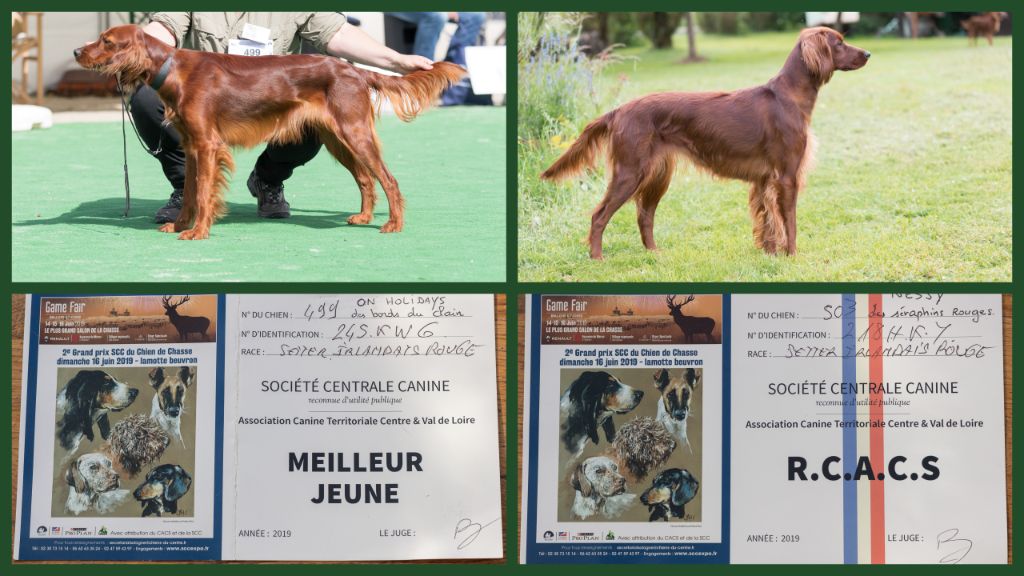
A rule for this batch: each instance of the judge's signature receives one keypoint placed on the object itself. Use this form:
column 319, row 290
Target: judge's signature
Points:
column 952, row 546
column 467, row 531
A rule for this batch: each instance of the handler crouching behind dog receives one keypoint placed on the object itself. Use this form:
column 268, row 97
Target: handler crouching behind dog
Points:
column 223, row 32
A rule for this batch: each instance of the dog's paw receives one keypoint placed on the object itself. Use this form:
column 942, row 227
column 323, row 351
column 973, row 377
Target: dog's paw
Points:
column 169, row 227
column 391, row 226
column 194, row 234
column 360, row 218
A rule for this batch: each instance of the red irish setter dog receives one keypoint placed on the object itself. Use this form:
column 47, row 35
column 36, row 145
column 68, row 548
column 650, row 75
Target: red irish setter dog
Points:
column 986, row 24
column 218, row 100
column 760, row 135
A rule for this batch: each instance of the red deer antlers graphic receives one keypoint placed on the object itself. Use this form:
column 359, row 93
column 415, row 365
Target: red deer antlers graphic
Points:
column 185, row 324
column 690, row 325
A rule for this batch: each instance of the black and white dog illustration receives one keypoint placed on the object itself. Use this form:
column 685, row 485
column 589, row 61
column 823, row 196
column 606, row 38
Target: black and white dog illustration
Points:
column 589, row 403
column 86, row 399
column 93, row 484
column 600, row 489
column 169, row 401
column 669, row 493
column 164, row 486
column 674, row 408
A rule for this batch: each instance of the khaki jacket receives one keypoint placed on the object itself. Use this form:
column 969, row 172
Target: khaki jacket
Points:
column 210, row 31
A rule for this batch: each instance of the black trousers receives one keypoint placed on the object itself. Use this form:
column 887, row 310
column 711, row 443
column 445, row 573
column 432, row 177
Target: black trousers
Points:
column 275, row 164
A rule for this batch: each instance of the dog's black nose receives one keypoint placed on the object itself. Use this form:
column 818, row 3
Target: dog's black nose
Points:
column 867, row 55
column 78, row 52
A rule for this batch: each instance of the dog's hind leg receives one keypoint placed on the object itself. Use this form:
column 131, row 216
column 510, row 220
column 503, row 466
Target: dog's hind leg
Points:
column 649, row 193
column 363, row 177
column 625, row 181
column 353, row 125
column 366, row 151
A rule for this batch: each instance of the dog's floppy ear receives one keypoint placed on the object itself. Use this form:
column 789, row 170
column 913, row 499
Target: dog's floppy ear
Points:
column 186, row 375
column 817, row 55
column 684, row 488
column 580, row 481
column 81, row 394
column 593, row 405
column 661, row 379
column 585, row 394
column 177, row 484
column 156, row 377
column 74, row 477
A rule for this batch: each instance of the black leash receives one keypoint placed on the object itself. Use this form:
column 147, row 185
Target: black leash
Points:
column 124, row 139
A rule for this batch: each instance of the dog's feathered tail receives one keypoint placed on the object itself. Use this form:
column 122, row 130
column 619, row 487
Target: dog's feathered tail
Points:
column 582, row 153
column 416, row 91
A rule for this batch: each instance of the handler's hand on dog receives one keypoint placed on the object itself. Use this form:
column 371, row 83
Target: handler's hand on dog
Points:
column 407, row 63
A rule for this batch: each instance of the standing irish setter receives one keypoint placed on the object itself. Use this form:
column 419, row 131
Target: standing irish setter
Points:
column 986, row 24
column 760, row 135
column 218, row 100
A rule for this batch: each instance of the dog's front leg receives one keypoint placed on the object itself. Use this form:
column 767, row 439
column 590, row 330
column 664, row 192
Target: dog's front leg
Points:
column 787, row 204
column 774, row 222
column 188, row 201
column 206, row 172
column 755, row 203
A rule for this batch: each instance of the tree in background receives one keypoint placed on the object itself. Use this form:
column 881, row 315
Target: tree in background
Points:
column 659, row 27
column 691, row 40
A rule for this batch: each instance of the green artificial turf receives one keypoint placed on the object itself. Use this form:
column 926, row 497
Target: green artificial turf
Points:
column 68, row 198
column 913, row 176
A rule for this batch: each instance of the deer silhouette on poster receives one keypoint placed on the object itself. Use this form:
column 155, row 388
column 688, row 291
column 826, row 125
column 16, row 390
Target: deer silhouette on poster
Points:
column 690, row 325
column 185, row 325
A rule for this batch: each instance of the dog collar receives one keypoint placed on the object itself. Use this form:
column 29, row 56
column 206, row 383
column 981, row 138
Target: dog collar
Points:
column 161, row 75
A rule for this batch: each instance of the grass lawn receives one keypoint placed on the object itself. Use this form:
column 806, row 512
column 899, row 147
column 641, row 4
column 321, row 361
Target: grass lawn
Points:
column 913, row 177
column 68, row 197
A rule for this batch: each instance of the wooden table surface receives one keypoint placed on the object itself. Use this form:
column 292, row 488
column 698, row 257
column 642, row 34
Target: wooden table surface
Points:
column 17, row 346
column 1007, row 410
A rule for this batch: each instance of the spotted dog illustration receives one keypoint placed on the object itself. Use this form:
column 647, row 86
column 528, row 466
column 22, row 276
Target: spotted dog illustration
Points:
column 600, row 489
column 164, row 486
column 86, row 399
column 669, row 493
column 93, row 484
column 674, row 408
column 169, row 401
column 589, row 403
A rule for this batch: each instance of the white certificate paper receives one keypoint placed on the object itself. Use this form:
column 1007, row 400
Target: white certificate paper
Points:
column 834, row 429
column 365, row 428
column 283, row 427
column 868, row 429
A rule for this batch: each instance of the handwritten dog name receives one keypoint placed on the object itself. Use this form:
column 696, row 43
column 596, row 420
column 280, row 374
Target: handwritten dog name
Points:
column 908, row 326
column 362, row 326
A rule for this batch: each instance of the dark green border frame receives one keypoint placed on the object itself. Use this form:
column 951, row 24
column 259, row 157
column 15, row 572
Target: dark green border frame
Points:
column 512, row 288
